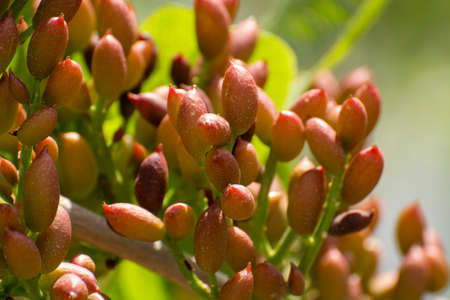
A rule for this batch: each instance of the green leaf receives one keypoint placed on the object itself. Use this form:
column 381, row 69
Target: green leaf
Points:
column 172, row 28
column 130, row 281
column 282, row 65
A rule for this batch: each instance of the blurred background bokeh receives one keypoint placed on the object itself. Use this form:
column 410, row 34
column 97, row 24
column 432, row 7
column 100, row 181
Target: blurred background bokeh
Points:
column 408, row 50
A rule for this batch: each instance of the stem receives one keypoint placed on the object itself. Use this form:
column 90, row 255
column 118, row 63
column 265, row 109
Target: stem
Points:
column 106, row 164
column 17, row 7
column 32, row 288
column 25, row 157
column 262, row 210
column 282, row 247
column 194, row 282
column 314, row 241
column 213, row 284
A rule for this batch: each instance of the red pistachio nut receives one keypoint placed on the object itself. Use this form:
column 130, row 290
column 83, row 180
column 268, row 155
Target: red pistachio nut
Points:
column 352, row 123
column 382, row 285
column 269, row 282
column 333, row 271
column 332, row 113
column 260, row 71
column 47, row 280
column 243, row 38
column 9, row 40
column 168, row 137
column 210, row 239
column 179, row 220
column 276, row 220
column 288, row 136
column 77, row 165
column 247, row 158
column 152, row 107
column 213, row 129
column 136, row 65
column 82, row 101
column 215, row 93
column 54, row 242
column 410, row 227
column 438, row 264
column 40, row 193
column 189, row 166
column 300, row 168
column 351, row 221
column 190, row 109
column 134, row 222
column 240, row 249
column 173, row 103
column 55, row 8
column 180, row 71
column 326, row 81
column 370, row 96
column 372, row 204
column 362, row 175
column 64, row 83
column 9, row 171
column 69, row 286
column 296, row 281
column 306, row 197
column 18, row 89
column 82, row 27
column 39, row 126
column 239, row 98
column 265, row 116
column 222, row 168
column 312, row 103
column 84, row 261
column 120, row 19
column 211, row 25
column 52, row 148
column 8, row 104
column 21, row 255
column 47, row 46
column 353, row 80
column 109, row 67
column 238, row 202
column 98, row 296
column 413, row 275
column 138, row 153
column 325, row 145
column 232, row 7
column 151, row 181
column 10, row 218
column 239, row 286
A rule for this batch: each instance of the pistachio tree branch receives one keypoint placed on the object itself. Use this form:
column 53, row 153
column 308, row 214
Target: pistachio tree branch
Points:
column 93, row 229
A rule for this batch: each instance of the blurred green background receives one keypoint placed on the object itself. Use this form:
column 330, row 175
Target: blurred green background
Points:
column 408, row 50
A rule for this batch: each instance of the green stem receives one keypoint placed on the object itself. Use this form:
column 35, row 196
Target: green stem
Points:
column 282, row 247
column 314, row 241
column 262, row 211
column 16, row 8
column 25, row 157
column 213, row 284
column 106, row 164
column 32, row 288
column 194, row 282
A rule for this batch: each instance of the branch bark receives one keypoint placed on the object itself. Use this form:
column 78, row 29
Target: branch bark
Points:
column 93, row 229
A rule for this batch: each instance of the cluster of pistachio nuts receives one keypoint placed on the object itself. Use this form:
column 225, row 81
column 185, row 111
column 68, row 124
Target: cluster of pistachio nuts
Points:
column 183, row 167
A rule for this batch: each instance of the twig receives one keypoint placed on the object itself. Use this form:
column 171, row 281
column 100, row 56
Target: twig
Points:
column 93, row 229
